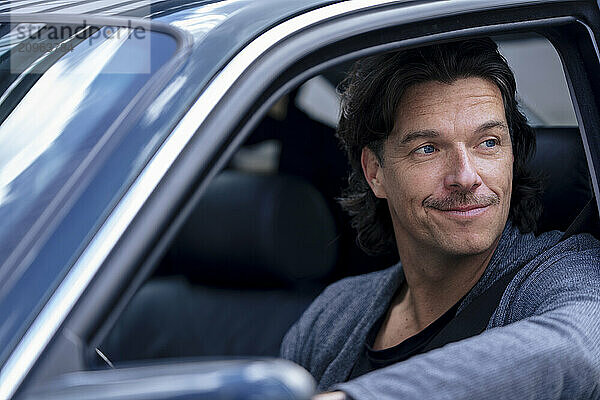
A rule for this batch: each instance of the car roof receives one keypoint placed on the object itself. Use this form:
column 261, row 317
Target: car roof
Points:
column 149, row 8
column 245, row 18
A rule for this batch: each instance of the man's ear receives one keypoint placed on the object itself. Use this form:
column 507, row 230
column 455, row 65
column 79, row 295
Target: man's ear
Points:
column 373, row 172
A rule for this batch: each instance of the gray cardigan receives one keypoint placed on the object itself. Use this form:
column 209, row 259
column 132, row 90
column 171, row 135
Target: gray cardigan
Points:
column 542, row 342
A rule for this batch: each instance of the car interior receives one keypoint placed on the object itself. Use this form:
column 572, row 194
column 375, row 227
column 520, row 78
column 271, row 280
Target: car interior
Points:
column 268, row 234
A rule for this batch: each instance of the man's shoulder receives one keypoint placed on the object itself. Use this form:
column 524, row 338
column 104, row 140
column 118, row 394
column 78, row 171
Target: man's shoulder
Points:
column 335, row 313
column 565, row 261
column 550, row 247
column 350, row 293
column 582, row 246
column 565, row 273
column 358, row 285
column 582, row 242
column 578, row 255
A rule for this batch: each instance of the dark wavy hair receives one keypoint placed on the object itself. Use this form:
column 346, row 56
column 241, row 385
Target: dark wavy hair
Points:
column 370, row 96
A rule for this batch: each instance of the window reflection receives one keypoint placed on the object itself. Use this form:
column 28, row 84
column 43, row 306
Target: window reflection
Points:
column 55, row 109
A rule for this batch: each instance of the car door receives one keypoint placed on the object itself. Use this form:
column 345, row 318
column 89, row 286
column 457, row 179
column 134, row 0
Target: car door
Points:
column 139, row 228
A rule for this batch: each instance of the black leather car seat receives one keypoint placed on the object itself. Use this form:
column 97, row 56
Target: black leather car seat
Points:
column 251, row 257
column 256, row 230
column 560, row 159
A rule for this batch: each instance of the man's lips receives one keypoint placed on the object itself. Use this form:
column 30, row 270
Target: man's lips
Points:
column 462, row 204
column 466, row 211
column 465, row 208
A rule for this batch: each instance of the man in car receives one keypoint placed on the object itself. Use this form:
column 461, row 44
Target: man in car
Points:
column 438, row 150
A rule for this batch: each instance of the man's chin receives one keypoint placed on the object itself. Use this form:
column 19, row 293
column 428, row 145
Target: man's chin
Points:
column 466, row 250
column 467, row 243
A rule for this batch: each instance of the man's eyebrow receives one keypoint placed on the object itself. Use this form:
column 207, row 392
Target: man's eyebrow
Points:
column 491, row 125
column 426, row 134
column 431, row 134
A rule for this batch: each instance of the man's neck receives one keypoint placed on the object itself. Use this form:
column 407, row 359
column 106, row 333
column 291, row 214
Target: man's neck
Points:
column 433, row 285
column 435, row 282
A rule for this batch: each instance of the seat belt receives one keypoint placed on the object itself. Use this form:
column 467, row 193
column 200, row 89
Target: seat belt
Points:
column 475, row 317
column 586, row 221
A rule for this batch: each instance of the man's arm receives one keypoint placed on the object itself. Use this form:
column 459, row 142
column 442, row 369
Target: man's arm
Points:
column 554, row 354
column 552, row 351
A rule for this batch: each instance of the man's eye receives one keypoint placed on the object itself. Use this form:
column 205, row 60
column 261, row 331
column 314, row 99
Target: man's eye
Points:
column 490, row 143
column 427, row 149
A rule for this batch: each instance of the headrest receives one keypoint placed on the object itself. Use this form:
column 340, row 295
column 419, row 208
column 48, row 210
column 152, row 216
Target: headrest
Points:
column 253, row 229
column 560, row 158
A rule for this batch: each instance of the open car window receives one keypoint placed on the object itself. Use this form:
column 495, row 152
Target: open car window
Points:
column 268, row 233
column 532, row 58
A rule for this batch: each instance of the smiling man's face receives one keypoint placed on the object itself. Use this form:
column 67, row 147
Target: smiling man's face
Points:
column 447, row 167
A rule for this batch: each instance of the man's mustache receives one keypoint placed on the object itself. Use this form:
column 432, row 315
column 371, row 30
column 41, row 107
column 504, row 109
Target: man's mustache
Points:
column 462, row 199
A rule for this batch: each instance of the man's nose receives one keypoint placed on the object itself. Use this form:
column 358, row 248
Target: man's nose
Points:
column 462, row 172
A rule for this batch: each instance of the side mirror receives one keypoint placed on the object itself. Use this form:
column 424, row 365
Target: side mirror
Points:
column 233, row 380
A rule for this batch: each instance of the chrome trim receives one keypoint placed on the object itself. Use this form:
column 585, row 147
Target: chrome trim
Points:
column 83, row 271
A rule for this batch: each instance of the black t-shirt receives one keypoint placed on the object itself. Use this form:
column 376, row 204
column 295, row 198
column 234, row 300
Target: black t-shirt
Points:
column 370, row 360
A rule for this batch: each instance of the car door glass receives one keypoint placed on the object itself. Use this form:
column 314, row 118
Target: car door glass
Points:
column 55, row 107
column 61, row 97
